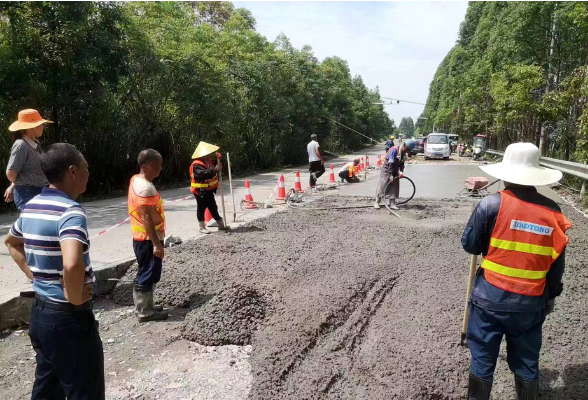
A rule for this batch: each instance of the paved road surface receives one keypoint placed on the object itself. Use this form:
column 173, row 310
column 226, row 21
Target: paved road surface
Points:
column 433, row 180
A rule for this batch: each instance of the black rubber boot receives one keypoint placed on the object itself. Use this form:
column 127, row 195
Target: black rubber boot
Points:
column 479, row 389
column 143, row 299
column 526, row 390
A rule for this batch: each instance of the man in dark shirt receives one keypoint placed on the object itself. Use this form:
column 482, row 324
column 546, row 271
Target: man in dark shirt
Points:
column 521, row 235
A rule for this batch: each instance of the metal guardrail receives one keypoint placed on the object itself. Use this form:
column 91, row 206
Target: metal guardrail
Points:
column 567, row 167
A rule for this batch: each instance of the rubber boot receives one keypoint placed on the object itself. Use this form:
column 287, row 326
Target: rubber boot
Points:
column 478, row 389
column 156, row 307
column 526, row 390
column 377, row 203
column 221, row 224
column 143, row 298
column 202, row 226
column 392, row 204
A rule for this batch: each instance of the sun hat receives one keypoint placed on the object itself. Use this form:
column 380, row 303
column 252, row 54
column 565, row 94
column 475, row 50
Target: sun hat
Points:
column 28, row 119
column 204, row 149
column 520, row 165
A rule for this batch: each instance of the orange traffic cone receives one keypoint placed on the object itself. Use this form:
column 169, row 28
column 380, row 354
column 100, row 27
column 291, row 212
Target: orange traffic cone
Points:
column 379, row 163
column 297, row 185
column 248, row 197
column 367, row 161
column 281, row 189
column 332, row 175
column 361, row 164
column 208, row 219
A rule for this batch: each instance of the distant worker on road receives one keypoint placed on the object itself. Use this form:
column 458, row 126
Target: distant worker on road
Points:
column 389, row 143
column 348, row 173
column 391, row 171
column 521, row 235
column 148, row 228
column 317, row 163
column 203, row 173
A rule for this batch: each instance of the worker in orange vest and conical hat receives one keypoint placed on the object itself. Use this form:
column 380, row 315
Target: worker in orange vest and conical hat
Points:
column 522, row 236
column 204, row 182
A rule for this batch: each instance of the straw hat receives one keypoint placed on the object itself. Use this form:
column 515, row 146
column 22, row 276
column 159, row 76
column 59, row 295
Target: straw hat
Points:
column 204, row 149
column 28, row 119
column 520, row 165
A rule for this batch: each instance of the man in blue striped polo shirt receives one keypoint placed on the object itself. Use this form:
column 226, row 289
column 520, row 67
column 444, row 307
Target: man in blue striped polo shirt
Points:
column 50, row 244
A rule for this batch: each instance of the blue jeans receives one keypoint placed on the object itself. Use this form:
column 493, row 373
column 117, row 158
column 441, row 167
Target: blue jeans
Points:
column 523, row 341
column 23, row 194
column 149, row 272
column 70, row 358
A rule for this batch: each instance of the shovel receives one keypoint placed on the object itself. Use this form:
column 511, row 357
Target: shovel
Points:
column 466, row 313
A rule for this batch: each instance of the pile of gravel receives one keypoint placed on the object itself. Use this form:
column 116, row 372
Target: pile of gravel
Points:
column 228, row 318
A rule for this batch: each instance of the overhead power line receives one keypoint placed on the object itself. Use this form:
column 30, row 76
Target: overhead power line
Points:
column 404, row 101
column 351, row 129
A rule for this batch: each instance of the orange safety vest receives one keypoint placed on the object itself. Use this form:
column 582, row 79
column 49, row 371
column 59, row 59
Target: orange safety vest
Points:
column 352, row 170
column 209, row 184
column 134, row 202
column 527, row 238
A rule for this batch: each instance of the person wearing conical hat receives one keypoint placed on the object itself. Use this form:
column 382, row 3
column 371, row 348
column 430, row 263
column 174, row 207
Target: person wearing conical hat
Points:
column 24, row 165
column 204, row 182
column 521, row 236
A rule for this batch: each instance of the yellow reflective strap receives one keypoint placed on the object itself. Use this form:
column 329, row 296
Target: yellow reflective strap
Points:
column 199, row 185
column 514, row 272
column 139, row 228
column 524, row 247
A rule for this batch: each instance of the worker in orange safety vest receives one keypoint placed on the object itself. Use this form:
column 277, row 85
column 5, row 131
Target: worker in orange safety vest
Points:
column 522, row 237
column 148, row 228
column 349, row 173
column 204, row 182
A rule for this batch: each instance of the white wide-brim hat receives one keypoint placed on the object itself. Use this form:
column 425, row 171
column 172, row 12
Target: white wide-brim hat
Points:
column 520, row 165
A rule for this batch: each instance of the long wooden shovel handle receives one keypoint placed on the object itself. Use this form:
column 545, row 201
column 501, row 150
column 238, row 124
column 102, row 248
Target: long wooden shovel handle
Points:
column 466, row 313
column 220, row 179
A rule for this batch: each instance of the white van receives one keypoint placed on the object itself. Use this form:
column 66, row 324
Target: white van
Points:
column 437, row 146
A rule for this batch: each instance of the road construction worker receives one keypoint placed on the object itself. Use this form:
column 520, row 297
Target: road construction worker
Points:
column 148, row 228
column 316, row 161
column 389, row 143
column 521, row 235
column 391, row 171
column 203, row 173
column 349, row 173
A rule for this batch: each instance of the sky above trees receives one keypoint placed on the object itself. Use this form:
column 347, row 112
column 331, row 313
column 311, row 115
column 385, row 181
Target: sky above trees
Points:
column 394, row 45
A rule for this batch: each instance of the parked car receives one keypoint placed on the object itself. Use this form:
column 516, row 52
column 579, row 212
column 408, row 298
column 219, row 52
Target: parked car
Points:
column 419, row 145
column 437, row 146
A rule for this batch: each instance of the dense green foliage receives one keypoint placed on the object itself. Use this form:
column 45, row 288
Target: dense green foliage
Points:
column 519, row 71
column 406, row 127
column 119, row 77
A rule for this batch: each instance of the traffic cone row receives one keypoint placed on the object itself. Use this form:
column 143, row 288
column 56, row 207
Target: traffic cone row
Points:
column 297, row 185
column 248, row 197
column 281, row 189
column 332, row 175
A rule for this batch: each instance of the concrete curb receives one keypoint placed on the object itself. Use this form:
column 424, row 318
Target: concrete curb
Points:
column 16, row 311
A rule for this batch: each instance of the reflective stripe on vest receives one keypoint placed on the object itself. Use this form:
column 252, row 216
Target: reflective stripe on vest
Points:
column 137, row 228
column 526, row 240
column 208, row 184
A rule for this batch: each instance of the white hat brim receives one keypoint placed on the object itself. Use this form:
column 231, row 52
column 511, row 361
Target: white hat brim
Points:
column 529, row 176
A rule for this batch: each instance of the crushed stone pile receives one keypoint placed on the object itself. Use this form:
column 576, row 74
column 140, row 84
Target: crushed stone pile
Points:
column 228, row 318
